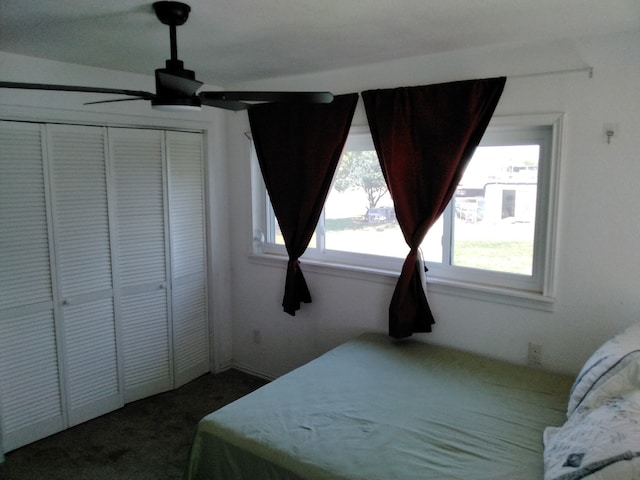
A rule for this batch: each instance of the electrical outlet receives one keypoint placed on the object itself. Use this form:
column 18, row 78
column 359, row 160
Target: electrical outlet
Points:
column 257, row 337
column 535, row 355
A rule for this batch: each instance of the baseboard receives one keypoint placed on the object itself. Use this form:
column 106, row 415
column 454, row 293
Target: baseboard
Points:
column 251, row 371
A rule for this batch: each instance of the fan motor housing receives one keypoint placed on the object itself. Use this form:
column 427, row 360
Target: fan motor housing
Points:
column 172, row 13
column 175, row 71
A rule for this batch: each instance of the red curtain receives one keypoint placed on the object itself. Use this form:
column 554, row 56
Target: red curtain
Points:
column 425, row 137
column 298, row 148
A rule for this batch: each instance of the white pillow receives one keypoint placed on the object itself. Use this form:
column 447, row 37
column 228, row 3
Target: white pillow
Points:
column 602, row 443
column 615, row 354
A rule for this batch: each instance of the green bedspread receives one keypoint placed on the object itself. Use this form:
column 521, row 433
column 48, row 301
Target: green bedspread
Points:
column 374, row 408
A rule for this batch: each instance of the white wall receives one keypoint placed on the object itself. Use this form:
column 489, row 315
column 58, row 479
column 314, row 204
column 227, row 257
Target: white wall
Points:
column 598, row 266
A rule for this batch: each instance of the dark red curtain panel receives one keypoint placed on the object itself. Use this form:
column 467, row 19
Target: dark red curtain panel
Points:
column 425, row 137
column 298, row 147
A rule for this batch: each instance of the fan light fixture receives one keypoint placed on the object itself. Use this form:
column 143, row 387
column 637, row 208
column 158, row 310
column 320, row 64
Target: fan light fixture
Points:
column 177, row 108
column 187, row 104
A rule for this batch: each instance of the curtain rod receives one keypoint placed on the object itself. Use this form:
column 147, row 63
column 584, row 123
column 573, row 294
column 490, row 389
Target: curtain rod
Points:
column 589, row 70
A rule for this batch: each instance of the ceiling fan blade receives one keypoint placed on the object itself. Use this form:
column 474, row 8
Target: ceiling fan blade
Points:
column 76, row 88
column 214, row 101
column 282, row 97
column 176, row 83
column 115, row 100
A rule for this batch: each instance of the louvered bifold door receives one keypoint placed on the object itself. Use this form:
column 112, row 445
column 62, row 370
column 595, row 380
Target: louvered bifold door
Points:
column 188, row 255
column 30, row 395
column 141, row 257
column 83, row 259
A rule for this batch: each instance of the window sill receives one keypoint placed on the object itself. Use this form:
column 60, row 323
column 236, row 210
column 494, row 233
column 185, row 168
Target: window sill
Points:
column 490, row 293
column 487, row 293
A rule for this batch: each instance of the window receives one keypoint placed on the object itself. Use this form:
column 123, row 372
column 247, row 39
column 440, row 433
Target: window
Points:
column 497, row 232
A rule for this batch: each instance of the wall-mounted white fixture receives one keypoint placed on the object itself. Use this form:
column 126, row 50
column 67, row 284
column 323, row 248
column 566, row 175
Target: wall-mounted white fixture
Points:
column 610, row 131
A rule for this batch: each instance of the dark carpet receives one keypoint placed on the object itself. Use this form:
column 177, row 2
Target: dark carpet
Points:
column 147, row 439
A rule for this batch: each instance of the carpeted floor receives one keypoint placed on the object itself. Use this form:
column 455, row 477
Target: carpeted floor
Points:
column 148, row 439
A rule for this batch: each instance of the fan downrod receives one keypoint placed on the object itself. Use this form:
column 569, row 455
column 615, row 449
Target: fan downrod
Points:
column 172, row 13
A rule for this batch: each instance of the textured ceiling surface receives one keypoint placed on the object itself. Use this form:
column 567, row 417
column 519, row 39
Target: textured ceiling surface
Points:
column 229, row 41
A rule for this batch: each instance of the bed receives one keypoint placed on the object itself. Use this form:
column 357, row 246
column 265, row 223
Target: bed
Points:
column 375, row 408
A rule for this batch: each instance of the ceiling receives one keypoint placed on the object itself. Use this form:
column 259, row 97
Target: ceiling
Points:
column 231, row 41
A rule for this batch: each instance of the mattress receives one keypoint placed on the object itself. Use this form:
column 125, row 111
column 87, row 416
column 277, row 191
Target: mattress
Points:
column 375, row 408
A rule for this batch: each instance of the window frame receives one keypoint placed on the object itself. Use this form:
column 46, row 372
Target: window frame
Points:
column 507, row 136
column 537, row 291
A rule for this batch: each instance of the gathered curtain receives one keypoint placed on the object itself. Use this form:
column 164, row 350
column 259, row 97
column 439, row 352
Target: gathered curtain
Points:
column 298, row 148
column 425, row 137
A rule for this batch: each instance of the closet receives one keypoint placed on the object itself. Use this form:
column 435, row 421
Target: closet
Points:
column 103, row 280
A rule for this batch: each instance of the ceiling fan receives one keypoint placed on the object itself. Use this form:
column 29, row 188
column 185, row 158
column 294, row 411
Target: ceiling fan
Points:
column 177, row 87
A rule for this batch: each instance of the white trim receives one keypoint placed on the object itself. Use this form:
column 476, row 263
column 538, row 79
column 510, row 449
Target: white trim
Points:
column 557, row 153
column 487, row 293
column 435, row 284
column 250, row 371
column 101, row 119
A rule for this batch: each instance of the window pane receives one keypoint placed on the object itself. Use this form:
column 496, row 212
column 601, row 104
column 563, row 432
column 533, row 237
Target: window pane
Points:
column 432, row 244
column 495, row 210
column 278, row 239
column 359, row 214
